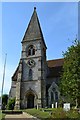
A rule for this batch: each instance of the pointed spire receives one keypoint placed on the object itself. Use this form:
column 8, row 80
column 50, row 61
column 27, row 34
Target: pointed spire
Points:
column 33, row 31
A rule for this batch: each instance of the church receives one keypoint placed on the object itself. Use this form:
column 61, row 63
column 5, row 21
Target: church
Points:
column 35, row 81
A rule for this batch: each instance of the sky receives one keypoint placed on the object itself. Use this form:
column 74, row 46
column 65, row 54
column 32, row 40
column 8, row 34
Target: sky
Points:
column 59, row 24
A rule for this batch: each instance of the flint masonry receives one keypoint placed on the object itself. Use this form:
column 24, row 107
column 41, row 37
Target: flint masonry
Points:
column 35, row 81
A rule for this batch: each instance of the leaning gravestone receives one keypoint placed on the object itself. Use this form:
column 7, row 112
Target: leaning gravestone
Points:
column 66, row 106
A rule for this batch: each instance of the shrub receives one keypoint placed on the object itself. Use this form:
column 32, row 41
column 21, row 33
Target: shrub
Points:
column 11, row 104
column 4, row 101
column 58, row 113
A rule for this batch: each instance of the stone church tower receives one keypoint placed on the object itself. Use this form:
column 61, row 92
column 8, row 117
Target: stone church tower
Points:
column 30, row 75
column 35, row 81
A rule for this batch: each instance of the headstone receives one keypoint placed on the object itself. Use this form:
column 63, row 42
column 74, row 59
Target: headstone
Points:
column 52, row 105
column 66, row 106
column 37, row 106
column 56, row 105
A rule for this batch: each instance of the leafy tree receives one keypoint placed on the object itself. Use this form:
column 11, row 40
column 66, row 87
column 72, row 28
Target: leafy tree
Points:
column 4, row 100
column 11, row 104
column 70, row 79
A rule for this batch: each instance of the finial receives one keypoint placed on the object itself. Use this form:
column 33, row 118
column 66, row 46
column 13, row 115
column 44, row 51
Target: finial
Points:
column 34, row 8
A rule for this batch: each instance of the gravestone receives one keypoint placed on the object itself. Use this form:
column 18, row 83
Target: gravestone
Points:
column 56, row 105
column 52, row 105
column 66, row 106
column 37, row 107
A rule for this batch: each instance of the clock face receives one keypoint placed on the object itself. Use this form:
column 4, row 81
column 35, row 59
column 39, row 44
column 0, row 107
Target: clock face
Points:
column 31, row 63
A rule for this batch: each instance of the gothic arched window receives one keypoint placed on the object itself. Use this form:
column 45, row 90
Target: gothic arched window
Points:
column 31, row 50
column 52, row 97
column 30, row 74
column 56, row 96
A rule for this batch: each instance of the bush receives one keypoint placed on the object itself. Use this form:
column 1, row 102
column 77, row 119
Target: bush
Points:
column 11, row 104
column 4, row 101
column 59, row 113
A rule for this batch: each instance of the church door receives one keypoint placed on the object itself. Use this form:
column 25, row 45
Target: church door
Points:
column 30, row 101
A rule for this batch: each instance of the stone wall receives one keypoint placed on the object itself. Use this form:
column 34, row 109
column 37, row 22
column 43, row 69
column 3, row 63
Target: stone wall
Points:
column 12, row 92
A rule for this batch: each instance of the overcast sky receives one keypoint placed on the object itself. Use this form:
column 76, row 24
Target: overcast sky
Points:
column 59, row 23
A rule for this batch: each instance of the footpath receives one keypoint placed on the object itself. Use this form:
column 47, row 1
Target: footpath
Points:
column 24, row 116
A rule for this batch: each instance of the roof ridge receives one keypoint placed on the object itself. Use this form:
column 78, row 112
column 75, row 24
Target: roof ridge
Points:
column 56, row 59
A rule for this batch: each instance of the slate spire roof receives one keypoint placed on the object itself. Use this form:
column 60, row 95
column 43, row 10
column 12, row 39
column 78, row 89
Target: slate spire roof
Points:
column 33, row 31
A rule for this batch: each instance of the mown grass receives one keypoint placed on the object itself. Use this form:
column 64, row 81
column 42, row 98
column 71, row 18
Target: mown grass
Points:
column 54, row 113
column 2, row 116
column 38, row 113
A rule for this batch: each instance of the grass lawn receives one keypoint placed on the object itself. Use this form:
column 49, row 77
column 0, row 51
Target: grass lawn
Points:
column 2, row 116
column 38, row 113
column 53, row 113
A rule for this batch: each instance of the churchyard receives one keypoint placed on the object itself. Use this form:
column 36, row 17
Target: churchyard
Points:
column 56, row 111
column 49, row 113
column 29, row 91
column 53, row 113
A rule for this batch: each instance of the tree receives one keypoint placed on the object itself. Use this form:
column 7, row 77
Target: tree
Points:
column 4, row 100
column 11, row 104
column 70, row 79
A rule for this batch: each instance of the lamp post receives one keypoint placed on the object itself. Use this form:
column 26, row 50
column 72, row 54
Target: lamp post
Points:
column 3, row 79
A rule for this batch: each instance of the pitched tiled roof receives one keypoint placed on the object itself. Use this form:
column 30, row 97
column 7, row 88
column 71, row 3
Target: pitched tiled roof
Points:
column 55, row 72
column 55, row 63
column 55, row 67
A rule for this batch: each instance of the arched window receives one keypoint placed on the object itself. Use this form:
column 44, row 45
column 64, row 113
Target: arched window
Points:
column 31, row 50
column 52, row 97
column 56, row 96
column 30, row 74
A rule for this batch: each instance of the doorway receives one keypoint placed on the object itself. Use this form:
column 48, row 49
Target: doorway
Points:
column 30, row 101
